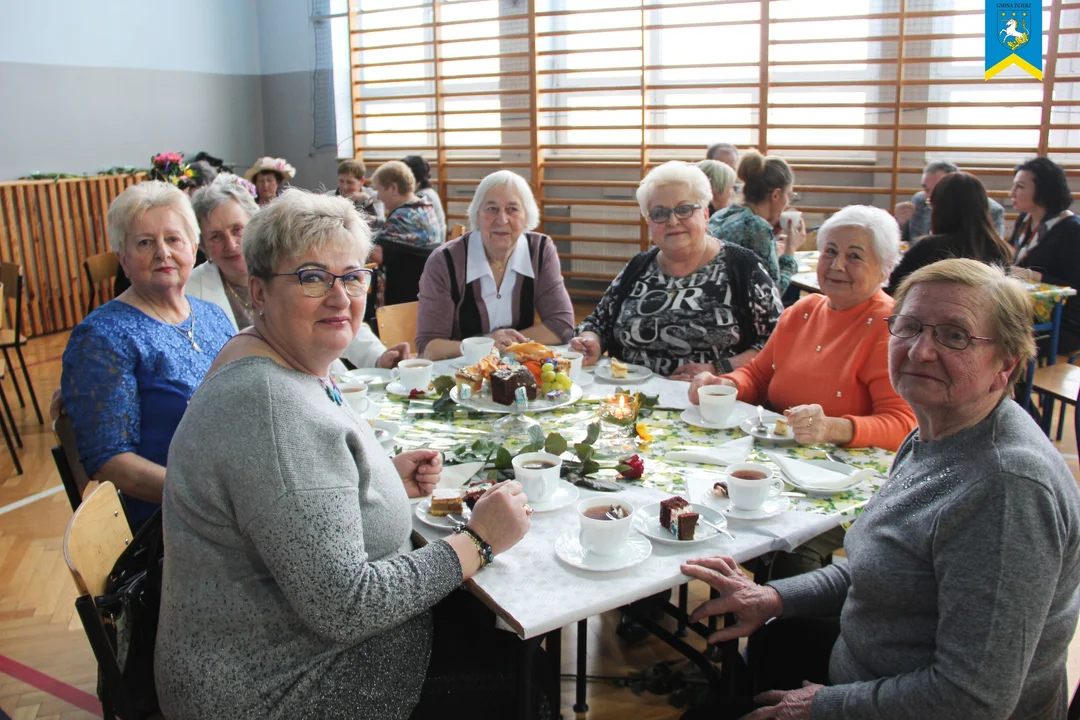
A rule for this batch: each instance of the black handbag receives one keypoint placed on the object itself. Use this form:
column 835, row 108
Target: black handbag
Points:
column 129, row 610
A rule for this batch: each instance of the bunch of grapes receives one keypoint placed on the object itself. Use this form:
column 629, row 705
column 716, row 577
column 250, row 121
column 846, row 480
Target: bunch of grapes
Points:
column 551, row 378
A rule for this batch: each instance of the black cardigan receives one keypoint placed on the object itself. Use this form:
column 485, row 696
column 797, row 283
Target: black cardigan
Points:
column 929, row 250
column 1057, row 257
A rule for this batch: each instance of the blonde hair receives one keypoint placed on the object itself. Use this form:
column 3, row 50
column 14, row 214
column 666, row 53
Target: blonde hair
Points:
column 762, row 175
column 720, row 174
column 675, row 172
column 517, row 185
column 134, row 202
column 298, row 222
column 396, row 173
column 1011, row 305
column 352, row 167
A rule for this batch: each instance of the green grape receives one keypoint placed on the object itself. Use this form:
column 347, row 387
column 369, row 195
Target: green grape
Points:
column 564, row 382
column 547, row 375
column 560, row 376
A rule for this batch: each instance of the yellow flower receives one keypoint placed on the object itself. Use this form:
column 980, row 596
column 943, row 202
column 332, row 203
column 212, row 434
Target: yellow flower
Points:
column 643, row 432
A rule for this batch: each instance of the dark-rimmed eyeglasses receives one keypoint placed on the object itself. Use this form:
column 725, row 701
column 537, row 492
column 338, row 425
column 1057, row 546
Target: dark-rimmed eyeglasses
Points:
column 661, row 214
column 951, row 336
column 316, row 283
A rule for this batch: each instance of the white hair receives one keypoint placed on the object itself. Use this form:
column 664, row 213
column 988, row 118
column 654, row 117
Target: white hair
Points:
column 517, row 185
column 881, row 226
column 131, row 204
column 298, row 222
column 675, row 172
column 721, row 175
column 223, row 189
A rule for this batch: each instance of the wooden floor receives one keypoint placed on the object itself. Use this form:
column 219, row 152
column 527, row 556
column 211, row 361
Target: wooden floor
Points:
column 48, row 671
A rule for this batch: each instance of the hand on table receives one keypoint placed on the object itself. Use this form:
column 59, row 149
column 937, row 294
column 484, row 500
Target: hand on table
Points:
column 501, row 516
column 420, row 471
column 808, row 424
column 752, row 604
column 394, row 355
column 706, row 378
column 786, row 704
column 588, row 344
column 506, row 337
column 689, row 371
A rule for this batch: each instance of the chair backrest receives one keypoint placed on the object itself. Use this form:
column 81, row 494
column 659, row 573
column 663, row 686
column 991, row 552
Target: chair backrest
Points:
column 456, row 232
column 67, row 461
column 402, row 266
column 96, row 535
column 11, row 275
column 102, row 266
column 397, row 324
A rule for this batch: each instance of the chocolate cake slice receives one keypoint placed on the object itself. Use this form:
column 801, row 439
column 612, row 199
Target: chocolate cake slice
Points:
column 668, row 506
column 683, row 523
column 505, row 381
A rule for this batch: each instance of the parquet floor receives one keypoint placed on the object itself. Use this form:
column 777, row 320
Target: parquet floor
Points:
column 47, row 670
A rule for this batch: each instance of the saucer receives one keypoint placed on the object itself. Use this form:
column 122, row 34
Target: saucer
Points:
column 565, row 493
column 747, row 426
column 385, row 432
column 442, row 522
column 396, row 388
column 692, row 416
column 569, row 550
column 647, row 522
column 585, row 379
column 634, row 374
column 372, row 377
column 772, row 507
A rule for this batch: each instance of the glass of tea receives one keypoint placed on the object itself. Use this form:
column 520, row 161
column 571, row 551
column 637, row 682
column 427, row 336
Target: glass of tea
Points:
column 749, row 485
column 605, row 524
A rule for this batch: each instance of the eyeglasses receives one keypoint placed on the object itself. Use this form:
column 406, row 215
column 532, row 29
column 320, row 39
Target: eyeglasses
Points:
column 661, row 214
column 316, row 283
column 951, row 336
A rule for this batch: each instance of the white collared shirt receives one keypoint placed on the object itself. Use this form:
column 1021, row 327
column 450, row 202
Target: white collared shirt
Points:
column 499, row 301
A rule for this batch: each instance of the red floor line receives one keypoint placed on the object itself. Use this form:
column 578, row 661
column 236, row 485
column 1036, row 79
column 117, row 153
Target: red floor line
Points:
column 42, row 362
column 46, row 683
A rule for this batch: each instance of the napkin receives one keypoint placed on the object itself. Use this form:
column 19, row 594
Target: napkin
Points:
column 811, row 476
column 734, row 451
column 455, row 476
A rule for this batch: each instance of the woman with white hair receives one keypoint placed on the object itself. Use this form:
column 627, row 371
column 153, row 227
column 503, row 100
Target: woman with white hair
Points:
column 722, row 178
column 291, row 589
column 131, row 365
column 690, row 304
column 826, row 367
column 495, row 279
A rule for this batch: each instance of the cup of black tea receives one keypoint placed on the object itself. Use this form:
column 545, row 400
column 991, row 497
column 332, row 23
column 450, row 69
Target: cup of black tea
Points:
column 538, row 473
column 605, row 524
column 749, row 485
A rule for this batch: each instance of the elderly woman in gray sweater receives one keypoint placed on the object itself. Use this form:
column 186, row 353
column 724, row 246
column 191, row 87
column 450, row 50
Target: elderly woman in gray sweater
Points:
column 960, row 595
column 290, row 588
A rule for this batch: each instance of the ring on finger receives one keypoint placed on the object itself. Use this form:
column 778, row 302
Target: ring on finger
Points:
column 528, row 509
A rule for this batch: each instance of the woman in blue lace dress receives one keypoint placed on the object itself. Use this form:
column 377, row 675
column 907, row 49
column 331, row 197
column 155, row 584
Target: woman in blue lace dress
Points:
column 130, row 367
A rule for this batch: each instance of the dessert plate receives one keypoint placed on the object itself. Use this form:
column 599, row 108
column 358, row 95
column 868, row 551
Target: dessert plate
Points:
column 385, row 432
column 634, row 373
column 396, row 388
column 747, row 426
column 692, row 416
column 423, row 512
column 484, row 403
column 585, row 379
column 647, row 522
column 372, row 377
column 565, row 493
column 569, row 550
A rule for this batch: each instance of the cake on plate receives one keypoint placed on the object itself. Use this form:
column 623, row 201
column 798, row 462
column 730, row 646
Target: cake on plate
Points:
column 780, row 427
column 506, row 380
column 618, row 368
column 445, row 502
column 678, row 517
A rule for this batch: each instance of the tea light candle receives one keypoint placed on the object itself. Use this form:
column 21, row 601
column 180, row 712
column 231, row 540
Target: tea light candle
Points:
column 619, row 410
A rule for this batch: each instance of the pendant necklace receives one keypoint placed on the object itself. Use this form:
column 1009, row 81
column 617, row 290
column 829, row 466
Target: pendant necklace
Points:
column 332, row 390
column 188, row 332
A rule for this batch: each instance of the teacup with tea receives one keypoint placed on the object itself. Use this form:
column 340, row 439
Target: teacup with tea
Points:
column 538, row 473
column 749, row 485
column 605, row 524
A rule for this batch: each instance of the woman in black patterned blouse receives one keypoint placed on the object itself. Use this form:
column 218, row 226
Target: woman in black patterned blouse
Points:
column 692, row 303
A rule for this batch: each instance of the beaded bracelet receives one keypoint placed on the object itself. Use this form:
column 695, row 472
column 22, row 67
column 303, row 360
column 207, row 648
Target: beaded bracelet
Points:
column 487, row 555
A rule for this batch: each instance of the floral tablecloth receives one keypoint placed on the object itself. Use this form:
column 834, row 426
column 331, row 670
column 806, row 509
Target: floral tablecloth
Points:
column 1045, row 297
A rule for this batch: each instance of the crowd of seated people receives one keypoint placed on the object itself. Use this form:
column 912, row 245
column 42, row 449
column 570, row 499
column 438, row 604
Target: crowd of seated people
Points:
column 914, row 216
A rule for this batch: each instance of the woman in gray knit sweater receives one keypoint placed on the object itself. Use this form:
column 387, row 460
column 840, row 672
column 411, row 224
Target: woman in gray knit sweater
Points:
column 960, row 595
column 289, row 587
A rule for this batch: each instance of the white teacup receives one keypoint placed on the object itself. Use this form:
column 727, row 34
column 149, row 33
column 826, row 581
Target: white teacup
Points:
column 749, row 485
column 538, row 473
column 476, row 349
column 716, row 402
column 576, row 360
column 415, row 374
column 604, row 537
column 790, row 219
column 354, row 393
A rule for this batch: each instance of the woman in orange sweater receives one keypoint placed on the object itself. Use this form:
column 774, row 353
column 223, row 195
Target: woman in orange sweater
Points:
column 826, row 364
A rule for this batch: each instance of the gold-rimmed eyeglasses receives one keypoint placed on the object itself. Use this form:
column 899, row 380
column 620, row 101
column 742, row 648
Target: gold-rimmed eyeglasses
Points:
column 316, row 282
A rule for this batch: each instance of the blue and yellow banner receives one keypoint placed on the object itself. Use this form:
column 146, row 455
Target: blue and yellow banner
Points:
column 1014, row 37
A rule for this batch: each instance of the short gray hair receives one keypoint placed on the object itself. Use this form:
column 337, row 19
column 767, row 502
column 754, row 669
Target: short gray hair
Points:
column 517, row 184
column 131, row 204
column 298, row 222
column 208, row 199
column 675, row 172
column 882, row 227
column 721, row 175
column 940, row 166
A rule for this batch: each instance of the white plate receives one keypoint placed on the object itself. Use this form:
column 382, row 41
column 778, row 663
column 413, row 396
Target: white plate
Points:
column 484, row 403
column 565, row 493
column 647, row 522
column 569, row 550
column 373, row 377
column 692, row 416
column 747, row 426
column 634, row 374
column 585, row 379
column 458, row 363
column 396, row 388
column 775, row 505
column 385, row 432
column 438, row 521
column 828, row 465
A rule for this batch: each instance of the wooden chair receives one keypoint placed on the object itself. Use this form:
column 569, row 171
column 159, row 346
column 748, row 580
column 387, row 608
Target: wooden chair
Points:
column 11, row 275
column 99, row 268
column 1060, row 381
column 66, row 457
column 96, row 535
column 397, row 324
column 456, row 232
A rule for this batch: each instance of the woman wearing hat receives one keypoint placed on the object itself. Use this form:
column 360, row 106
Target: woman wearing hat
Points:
column 268, row 174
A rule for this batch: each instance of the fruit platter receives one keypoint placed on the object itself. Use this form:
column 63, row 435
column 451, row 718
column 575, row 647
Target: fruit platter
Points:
column 533, row 378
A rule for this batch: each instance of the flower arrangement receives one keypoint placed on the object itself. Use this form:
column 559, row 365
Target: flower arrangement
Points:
column 227, row 177
column 170, row 167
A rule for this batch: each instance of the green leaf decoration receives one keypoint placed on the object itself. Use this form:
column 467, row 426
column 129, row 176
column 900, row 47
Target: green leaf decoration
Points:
column 536, row 436
column 503, row 459
column 588, row 467
column 531, row 448
column 584, row 451
column 555, row 444
column 444, row 384
column 592, row 433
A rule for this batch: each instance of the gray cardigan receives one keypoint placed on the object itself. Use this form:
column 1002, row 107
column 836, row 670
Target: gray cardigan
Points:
column 960, row 596
column 286, row 592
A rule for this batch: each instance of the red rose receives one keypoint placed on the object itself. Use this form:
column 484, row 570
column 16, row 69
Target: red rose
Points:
column 632, row 468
